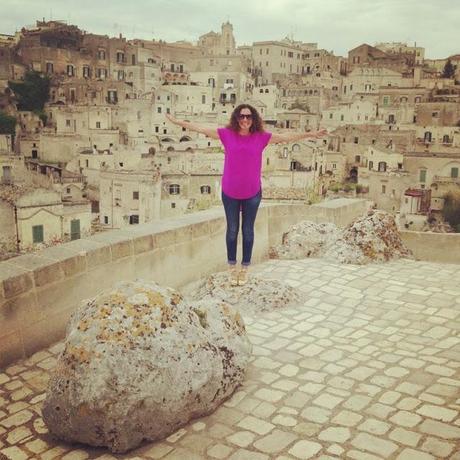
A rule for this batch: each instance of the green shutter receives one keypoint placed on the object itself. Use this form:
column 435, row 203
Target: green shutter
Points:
column 454, row 172
column 75, row 229
column 37, row 234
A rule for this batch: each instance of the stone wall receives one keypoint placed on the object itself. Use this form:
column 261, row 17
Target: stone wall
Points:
column 434, row 247
column 38, row 292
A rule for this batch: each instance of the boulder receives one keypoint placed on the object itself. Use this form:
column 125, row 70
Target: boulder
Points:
column 257, row 296
column 139, row 362
column 372, row 238
column 306, row 239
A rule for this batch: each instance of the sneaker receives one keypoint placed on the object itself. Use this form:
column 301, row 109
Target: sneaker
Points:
column 233, row 275
column 243, row 277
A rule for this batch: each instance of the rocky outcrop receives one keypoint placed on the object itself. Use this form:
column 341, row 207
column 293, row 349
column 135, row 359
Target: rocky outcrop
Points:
column 139, row 362
column 258, row 295
column 372, row 238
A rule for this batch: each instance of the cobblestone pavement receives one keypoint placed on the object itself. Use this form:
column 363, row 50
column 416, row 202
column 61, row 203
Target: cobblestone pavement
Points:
column 368, row 368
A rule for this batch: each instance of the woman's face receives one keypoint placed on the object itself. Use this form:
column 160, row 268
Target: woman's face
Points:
column 245, row 119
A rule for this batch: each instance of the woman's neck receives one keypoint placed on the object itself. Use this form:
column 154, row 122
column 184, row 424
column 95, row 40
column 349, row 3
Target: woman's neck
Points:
column 244, row 132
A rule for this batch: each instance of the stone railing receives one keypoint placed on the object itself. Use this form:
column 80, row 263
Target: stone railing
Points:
column 39, row 292
column 434, row 247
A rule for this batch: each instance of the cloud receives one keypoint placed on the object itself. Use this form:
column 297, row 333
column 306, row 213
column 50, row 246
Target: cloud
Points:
column 337, row 25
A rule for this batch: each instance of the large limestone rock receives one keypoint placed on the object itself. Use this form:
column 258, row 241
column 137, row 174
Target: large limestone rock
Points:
column 257, row 296
column 139, row 362
column 372, row 238
column 306, row 239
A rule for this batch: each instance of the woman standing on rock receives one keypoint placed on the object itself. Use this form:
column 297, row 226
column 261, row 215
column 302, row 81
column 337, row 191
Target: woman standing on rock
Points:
column 244, row 140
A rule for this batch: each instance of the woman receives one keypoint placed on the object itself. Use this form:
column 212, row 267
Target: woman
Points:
column 244, row 140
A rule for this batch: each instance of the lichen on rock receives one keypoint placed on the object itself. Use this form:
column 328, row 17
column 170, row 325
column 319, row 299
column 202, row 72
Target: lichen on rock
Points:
column 139, row 362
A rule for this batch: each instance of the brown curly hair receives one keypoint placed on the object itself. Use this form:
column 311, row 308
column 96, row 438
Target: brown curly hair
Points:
column 257, row 123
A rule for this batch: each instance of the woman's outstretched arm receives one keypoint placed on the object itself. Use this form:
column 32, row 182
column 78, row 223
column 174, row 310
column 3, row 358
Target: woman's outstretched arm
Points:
column 292, row 137
column 210, row 132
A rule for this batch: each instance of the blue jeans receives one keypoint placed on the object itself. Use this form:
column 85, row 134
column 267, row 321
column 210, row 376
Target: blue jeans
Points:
column 248, row 209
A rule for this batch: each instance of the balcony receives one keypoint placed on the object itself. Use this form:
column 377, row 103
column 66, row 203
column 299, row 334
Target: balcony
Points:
column 348, row 311
column 446, row 180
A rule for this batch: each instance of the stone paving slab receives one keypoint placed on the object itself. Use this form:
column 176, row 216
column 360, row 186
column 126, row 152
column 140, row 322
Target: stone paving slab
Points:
column 367, row 368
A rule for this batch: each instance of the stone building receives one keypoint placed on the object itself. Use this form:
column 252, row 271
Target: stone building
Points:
column 222, row 43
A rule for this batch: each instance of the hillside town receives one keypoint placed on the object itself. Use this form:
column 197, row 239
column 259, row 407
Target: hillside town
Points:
column 85, row 145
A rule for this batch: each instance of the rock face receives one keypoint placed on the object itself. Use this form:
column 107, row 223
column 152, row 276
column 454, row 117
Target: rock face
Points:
column 258, row 295
column 139, row 362
column 373, row 238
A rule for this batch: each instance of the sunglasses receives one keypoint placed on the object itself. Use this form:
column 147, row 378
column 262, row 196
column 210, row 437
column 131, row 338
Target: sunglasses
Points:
column 242, row 116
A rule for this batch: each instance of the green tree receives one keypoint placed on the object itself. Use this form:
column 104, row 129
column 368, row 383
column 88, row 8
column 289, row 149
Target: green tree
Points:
column 451, row 209
column 7, row 124
column 33, row 92
column 449, row 70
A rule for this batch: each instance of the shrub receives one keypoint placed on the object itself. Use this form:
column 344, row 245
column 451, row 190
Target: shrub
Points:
column 451, row 209
column 33, row 92
column 7, row 124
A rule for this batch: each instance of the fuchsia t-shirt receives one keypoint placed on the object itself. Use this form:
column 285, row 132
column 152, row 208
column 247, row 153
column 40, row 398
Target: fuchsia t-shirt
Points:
column 243, row 162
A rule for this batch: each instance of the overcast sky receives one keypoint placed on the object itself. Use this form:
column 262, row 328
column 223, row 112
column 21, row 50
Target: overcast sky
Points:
column 337, row 25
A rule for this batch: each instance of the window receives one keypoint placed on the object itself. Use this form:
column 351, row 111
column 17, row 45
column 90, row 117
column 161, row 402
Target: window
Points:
column 159, row 109
column 86, row 72
column 173, row 205
column 386, row 100
column 134, row 219
column 174, row 189
column 334, row 165
column 205, row 189
column 98, row 124
column 121, row 74
column 49, row 67
column 384, row 189
column 330, row 116
column 454, row 172
column 120, row 56
column 356, row 140
column 445, row 139
column 203, row 99
column 342, row 117
column 135, row 195
column 106, row 219
column 371, row 165
column 101, row 54
column 67, row 123
column 357, row 158
column 382, row 166
column 70, row 70
column 422, row 175
column 37, row 234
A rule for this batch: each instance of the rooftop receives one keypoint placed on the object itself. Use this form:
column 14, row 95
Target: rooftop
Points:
column 367, row 367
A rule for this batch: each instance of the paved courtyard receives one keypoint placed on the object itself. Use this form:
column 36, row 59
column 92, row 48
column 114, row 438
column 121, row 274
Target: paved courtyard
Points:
column 368, row 368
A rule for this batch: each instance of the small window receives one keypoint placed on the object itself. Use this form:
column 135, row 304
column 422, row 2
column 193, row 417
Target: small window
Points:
column 135, row 195
column 454, row 172
column 422, row 176
column 174, row 189
column 37, row 234
column 205, row 189
column 384, row 189
column 159, row 109
column 371, row 165
column 173, row 205
column 356, row 140
column 134, row 219
column 106, row 219
column 98, row 124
